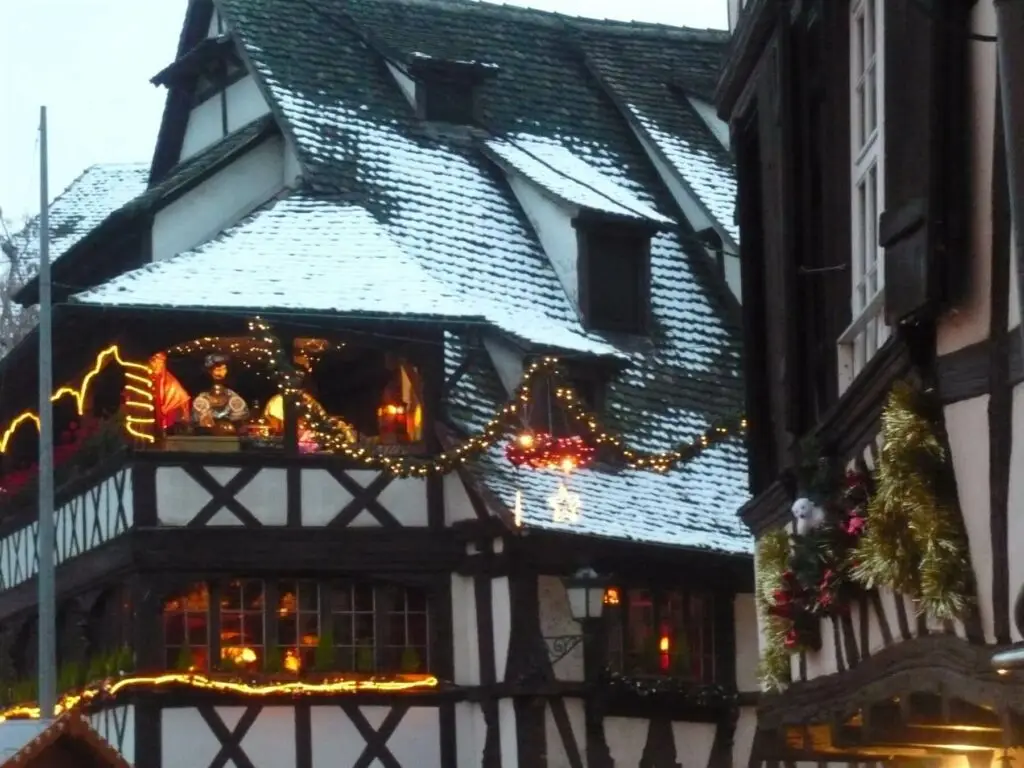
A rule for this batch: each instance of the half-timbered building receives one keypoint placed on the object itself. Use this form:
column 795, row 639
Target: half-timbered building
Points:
column 873, row 208
column 287, row 531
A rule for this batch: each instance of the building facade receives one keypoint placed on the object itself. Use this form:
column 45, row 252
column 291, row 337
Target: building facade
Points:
column 882, row 327
column 400, row 412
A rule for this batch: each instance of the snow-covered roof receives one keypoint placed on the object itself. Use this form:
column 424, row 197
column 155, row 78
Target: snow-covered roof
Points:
column 570, row 178
column 296, row 254
column 88, row 200
column 437, row 199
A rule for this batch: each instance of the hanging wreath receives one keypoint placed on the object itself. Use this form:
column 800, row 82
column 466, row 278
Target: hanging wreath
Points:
column 544, row 451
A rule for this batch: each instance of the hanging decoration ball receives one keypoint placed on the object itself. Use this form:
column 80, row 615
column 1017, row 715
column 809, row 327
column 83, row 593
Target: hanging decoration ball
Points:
column 544, row 451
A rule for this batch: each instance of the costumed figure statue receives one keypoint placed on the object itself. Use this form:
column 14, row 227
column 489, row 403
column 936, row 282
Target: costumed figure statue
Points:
column 170, row 399
column 220, row 409
column 807, row 515
column 274, row 412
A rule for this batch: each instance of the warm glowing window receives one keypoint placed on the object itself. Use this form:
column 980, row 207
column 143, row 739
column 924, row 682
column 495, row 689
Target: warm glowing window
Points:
column 242, row 624
column 662, row 632
column 187, row 629
column 353, row 627
column 298, row 624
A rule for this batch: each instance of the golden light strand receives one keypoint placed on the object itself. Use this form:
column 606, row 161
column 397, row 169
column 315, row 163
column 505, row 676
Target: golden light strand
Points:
column 202, row 682
column 502, row 423
column 82, row 392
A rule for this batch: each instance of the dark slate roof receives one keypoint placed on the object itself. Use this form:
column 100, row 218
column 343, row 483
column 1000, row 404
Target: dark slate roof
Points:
column 128, row 200
column 88, row 200
column 449, row 206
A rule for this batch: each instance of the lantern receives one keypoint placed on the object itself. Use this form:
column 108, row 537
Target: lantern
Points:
column 585, row 590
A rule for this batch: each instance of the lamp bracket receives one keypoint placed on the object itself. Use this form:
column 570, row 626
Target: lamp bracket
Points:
column 560, row 646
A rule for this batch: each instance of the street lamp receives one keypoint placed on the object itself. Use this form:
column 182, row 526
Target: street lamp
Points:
column 585, row 590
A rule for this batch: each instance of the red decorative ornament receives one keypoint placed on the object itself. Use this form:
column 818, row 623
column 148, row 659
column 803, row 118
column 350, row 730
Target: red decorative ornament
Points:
column 544, row 451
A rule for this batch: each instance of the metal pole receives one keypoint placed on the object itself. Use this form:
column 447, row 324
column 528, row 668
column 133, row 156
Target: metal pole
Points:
column 1010, row 57
column 47, row 598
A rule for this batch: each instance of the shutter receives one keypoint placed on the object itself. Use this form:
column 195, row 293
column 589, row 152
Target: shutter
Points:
column 924, row 226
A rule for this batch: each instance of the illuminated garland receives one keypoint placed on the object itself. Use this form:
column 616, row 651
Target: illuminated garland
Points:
column 544, row 451
column 71, row 701
column 140, row 388
column 330, row 438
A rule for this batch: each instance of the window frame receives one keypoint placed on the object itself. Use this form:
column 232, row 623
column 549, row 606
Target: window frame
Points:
column 590, row 234
column 327, row 591
column 867, row 331
column 712, row 667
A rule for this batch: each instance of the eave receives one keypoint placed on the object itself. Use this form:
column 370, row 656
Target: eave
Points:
column 748, row 42
column 192, row 63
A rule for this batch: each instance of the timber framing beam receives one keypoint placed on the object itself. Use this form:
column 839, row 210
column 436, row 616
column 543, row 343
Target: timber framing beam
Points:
column 957, row 671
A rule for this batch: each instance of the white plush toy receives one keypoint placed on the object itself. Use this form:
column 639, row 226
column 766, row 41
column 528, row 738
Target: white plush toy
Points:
column 808, row 515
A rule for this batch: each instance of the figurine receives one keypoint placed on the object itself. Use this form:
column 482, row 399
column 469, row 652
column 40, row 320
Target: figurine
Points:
column 809, row 516
column 219, row 408
column 171, row 399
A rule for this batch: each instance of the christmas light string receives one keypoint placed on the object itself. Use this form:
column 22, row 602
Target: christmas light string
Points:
column 506, row 420
column 141, row 387
column 326, row 687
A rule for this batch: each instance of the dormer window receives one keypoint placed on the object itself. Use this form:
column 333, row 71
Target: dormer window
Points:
column 207, row 69
column 614, row 271
column 442, row 91
column 446, row 100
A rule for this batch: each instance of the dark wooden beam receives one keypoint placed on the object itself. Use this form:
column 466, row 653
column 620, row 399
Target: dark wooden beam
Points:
column 1000, row 405
column 940, row 663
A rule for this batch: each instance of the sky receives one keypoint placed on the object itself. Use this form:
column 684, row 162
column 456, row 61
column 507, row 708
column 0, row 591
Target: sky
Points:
column 90, row 61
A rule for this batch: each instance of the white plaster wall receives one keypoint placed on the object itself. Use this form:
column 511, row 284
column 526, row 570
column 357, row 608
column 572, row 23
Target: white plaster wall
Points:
column 220, row 201
column 745, row 620
column 556, row 621
column 322, row 497
column 553, row 224
column 187, row 741
column 694, row 742
column 470, row 734
column 1016, row 503
column 693, row 211
column 215, row 26
column 626, row 738
column 967, row 426
column 117, row 727
column 405, row 83
column 205, row 126
column 557, row 754
column 244, row 102
column 501, row 617
column 465, row 636
column 336, row 740
column 456, row 500
column 508, row 741
column 406, row 499
column 508, row 362
column 743, row 737
column 970, row 322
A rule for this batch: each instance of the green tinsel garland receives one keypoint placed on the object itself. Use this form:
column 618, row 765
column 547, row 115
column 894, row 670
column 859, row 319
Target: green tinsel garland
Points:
column 914, row 541
column 772, row 561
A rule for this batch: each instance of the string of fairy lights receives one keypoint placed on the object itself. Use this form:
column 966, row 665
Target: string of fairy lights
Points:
column 326, row 687
column 335, row 438
column 508, row 419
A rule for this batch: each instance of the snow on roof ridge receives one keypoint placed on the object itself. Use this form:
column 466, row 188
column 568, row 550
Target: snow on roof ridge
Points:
column 565, row 174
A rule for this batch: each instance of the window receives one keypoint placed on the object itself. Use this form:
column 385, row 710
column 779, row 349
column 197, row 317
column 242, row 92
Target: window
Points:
column 187, row 630
column 446, row 100
column 614, row 275
column 656, row 632
column 242, row 624
column 407, row 627
column 298, row 624
column 353, row 609
column 867, row 331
